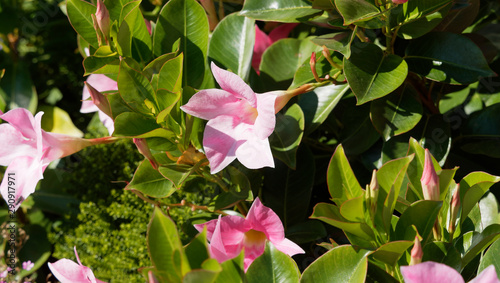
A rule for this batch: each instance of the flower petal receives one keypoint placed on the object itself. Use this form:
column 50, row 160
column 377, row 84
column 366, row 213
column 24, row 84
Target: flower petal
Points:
column 281, row 31
column 68, row 271
column 262, row 42
column 252, row 252
column 107, row 121
column 219, row 142
column 217, row 248
column 209, row 103
column 101, row 83
column 23, row 121
column 255, row 153
column 264, row 219
column 430, row 272
column 210, row 227
column 235, row 85
column 13, row 145
column 266, row 120
column 288, row 247
column 488, row 275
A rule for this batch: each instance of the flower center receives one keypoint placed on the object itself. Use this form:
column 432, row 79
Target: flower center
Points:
column 254, row 238
column 249, row 114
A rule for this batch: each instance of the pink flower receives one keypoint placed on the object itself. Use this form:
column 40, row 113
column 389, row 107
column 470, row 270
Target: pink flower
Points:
column 433, row 272
column 5, row 272
column 263, row 41
column 101, row 83
column 230, row 234
column 399, row 1
column 68, row 271
column 429, row 180
column 28, row 265
column 240, row 122
column 102, row 16
column 27, row 150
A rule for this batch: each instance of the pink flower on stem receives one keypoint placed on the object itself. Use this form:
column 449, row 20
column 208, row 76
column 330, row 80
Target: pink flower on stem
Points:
column 433, row 272
column 27, row 150
column 28, row 265
column 230, row 234
column 101, row 83
column 429, row 180
column 263, row 41
column 239, row 122
column 68, row 271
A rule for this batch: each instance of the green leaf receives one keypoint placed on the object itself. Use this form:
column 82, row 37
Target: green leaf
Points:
column 150, row 182
column 287, row 135
column 197, row 250
column 414, row 10
column 79, row 14
column 136, row 90
column 273, row 266
column 396, row 113
column 165, row 248
column 305, row 232
column 447, row 57
column 117, row 104
column 232, row 270
column 58, row 121
column 131, row 124
column 340, row 264
column 421, row 214
column 480, row 241
column 282, row 59
column 390, row 253
column 239, row 190
column 472, row 188
column 491, row 257
column 170, row 75
column 167, row 101
column 232, row 44
column 133, row 36
column 340, row 42
column 358, row 133
column 319, row 103
column 371, row 73
column 289, row 11
column 354, row 209
column 304, row 73
column 17, row 89
column 423, row 25
column 103, row 61
column 185, row 22
column 288, row 191
column 360, row 12
column 154, row 67
column 342, row 182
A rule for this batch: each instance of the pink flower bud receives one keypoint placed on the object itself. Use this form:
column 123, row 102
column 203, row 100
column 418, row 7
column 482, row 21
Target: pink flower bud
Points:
column 429, row 180
column 416, row 252
column 99, row 100
column 102, row 16
column 399, row 1
column 454, row 208
column 143, row 148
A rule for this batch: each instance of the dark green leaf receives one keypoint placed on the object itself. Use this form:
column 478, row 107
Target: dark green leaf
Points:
column 279, row 10
column 340, row 42
column 17, row 89
column 421, row 214
column 391, row 252
column 150, row 182
column 136, row 90
column 133, row 36
column 361, row 12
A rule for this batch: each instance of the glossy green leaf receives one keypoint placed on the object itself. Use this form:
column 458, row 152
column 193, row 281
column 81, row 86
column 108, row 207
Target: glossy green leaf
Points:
column 133, row 36
column 117, row 104
column 279, row 10
column 170, row 75
column 396, row 113
column 58, row 121
column 319, row 103
column 176, row 173
column 288, row 191
column 131, row 124
column 197, row 250
column 342, row 182
column 304, row 73
column 414, row 10
column 480, row 241
column 282, row 59
column 423, row 25
column 79, row 14
column 340, row 42
column 390, row 253
column 154, row 67
column 287, row 135
column 166, row 101
column 17, row 89
column 232, row 270
column 165, row 248
column 371, row 73
column 437, row 137
column 491, row 257
column 136, row 90
column 421, row 214
column 185, row 22
column 232, row 44
column 330, row 214
column 103, row 61
column 359, row 12
column 447, row 57
column 358, row 133
column 273, row 266
column 305, row 232
column 239, row 190
column 150, row 182
column 472, row 188
column 340, row 264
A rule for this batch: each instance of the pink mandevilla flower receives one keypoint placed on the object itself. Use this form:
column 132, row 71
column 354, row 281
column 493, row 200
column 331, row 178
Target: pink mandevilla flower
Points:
column 27, row 150
column 263, row 41
column 434, row 272
column 230, row 234
column 239, row 122
column 100, row 83
column 68, row 271
column 28, row 265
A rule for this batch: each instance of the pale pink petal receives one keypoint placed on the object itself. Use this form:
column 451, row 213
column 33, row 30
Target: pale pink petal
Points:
column 255, row 153
column 252, row 252
column 210, row 103
column 68, row 271
column 266, row 120
column 13, row 145
column 59, row 145
column 218, row 142
column 107, row 121
column 26, row 171
column 288, row 247
column 235, row 85
column 101, row 83
column 282, row 31
column 22, row 120
column 264, row 219
column 210, row 227
column 430, row 272
column 262, row 42
column 217, row 247
column 488, row 275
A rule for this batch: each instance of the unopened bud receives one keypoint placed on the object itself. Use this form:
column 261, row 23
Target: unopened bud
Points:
column 99, row 100
column 312, row 63
column 373, row 192
column 143, row 148
column 102, row 16
column 454, row 208
column 399, row 1
column 416, row 252
column 429, row 180
column 97, row 29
